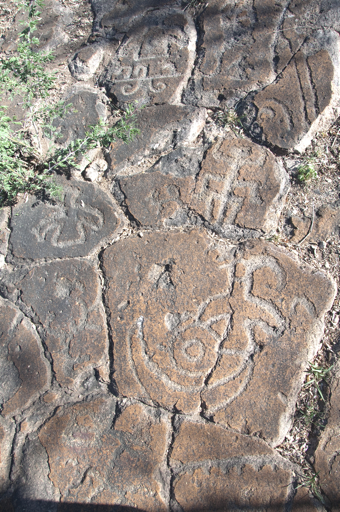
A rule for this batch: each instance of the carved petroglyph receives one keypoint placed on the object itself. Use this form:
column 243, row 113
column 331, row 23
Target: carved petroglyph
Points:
column 153, row 62
column 239, row 185
column 71, row 228
column 196, row 330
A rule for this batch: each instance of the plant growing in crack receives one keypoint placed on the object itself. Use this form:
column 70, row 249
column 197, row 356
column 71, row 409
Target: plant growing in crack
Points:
column 24, row 166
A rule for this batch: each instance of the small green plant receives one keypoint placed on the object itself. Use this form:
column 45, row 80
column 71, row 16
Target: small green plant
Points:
column 317, row 374
column 311, row 415
column 24, row 167
column 306, row 171
column 229, row 118
column 311, row 482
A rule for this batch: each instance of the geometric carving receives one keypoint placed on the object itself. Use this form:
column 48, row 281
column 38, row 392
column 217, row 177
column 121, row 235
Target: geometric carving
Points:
column 65, row 298
column 239, row 185
column 25, row 373
column 72, row 228
column 197, row 327
column 154, row 60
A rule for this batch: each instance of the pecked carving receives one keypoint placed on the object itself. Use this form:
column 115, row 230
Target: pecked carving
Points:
column 202, row 322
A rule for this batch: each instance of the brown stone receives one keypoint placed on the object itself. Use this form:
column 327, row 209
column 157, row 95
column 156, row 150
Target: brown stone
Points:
column 75, row 227
column 239, row 184
column 161, row 128
column 262, row 326
column 24, row 371
column 326, row 224
column 220, row 470
column 327, row 456
column 153, row 63
column 66, row 299
column 286, row 113
column 90, row 461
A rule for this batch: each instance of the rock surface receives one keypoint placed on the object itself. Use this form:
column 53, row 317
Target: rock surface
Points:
column 153, row 342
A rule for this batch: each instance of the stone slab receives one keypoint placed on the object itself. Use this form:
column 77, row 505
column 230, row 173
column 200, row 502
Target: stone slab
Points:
column 202, row 327
column 327, row 456
column 97, row 454
column 64, row 298
column 24, row 371
column 237, row 185
column 219, row 470
column 326, row 224
column 7, row 431
column 76, row 226
column 287, row 113
column 162, row 129
column 154, row 61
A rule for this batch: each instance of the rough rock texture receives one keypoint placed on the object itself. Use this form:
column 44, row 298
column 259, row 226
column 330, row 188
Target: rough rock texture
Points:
column 237, row 185
column 73, row 227
column 196, row 326
column 162, row 129
column 327, row 458
column 152, row 342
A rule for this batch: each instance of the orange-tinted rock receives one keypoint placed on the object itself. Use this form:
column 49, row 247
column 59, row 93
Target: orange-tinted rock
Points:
column 327, row 456
column 90, row 461
column 74, row 227
column 262, row 326
column 239, row 185
column 220, row 470
column 326, row 224
column 25, row 373
column 66, row 299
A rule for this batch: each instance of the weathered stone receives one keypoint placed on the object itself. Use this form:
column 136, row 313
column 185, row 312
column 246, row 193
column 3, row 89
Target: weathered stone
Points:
column 326, row 224
column 327, row 456
column 162, row 128
column 288, row 112
column 74, row 227
column 24, row 371
column 86, row 109
column 200, row 327
column 65, row 298
column 154, row 61
column 86, row 62
column 4, row 234
column 239, row 185
column 91, row 460
column 220, row 470
column 7, row 431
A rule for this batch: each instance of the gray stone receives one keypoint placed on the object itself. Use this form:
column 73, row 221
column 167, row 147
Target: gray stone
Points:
column 86, row 62
column 74, row 227
column 154, row 60
column 162, row 129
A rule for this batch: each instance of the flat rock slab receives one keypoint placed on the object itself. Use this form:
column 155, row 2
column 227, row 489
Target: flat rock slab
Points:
column 154, row 60
column 162, row 129
column 25, row 372
column 286, row 114
column 327, row 456
column 237, row 185
column 74, row 227
column 200, row 327
column 64, row 298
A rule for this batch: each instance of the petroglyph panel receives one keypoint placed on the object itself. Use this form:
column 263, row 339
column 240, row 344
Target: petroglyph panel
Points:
column 24, row 371
column 222, row 470
column 73, row 227
column 199, row 326
column 65, row 298
column 283, row 113
column 154, row 60
column 239, row 185
column 93, row 462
